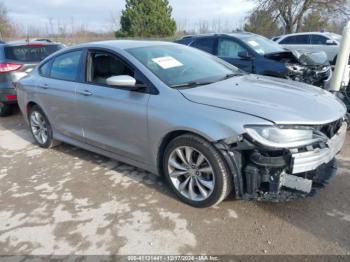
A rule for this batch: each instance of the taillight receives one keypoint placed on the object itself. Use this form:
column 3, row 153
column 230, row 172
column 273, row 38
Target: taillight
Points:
column 9, row 67
column 11, row 98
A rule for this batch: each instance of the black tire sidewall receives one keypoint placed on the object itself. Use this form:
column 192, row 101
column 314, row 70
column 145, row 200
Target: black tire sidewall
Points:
column 213, row 156
column 49, row 141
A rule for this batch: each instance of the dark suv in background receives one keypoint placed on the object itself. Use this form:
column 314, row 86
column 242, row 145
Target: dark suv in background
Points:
column 17, row 59
column 258, row 55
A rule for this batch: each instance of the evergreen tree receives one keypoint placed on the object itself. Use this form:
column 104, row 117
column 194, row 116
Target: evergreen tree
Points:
column 147, row 18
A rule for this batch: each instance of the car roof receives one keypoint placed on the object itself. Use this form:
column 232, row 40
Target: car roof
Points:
column 306, row 33
column 233, row 34
column 122, row 44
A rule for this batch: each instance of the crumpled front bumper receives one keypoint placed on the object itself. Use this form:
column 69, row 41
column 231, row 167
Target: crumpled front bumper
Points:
column 284, row 175
column 308, row 161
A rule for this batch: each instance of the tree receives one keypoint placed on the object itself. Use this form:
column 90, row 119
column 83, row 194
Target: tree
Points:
column 262, row 22
column 291, row 13
column 147, row 18
column 5, row 25
column 315, row 21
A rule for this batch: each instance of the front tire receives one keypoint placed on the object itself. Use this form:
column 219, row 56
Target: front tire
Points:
column 196, row 171
column 40, row 128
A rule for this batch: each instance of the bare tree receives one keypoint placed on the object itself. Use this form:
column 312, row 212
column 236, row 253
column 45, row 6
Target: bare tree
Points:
column 5, row 24
column 291, row 13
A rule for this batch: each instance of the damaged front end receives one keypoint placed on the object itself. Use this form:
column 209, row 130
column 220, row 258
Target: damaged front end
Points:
column 307, row 67
column 266, row 173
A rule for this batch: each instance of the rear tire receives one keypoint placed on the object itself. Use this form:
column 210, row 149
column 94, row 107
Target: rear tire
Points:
column 5, row 110
column 40, row 128
column 196, row 171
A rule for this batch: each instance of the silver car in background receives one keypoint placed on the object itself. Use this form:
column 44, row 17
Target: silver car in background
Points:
column 313, row 42
column 208, row 128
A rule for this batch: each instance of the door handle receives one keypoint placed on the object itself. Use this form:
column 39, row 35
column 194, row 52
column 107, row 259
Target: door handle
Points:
column 85, row 93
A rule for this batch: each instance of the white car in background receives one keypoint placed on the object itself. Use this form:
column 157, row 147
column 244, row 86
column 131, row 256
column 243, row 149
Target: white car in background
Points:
column 312, row 41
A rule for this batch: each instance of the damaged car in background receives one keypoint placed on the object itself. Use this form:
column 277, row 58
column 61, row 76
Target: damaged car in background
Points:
column 208, row 128
column 259, row 55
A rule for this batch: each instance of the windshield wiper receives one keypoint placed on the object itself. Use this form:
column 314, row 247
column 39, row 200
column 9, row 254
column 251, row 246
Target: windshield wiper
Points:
column 192, row 84
column 230, row 76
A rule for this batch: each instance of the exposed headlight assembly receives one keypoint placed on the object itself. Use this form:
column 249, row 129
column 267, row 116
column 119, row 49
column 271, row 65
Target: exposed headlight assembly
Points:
column 274, row 137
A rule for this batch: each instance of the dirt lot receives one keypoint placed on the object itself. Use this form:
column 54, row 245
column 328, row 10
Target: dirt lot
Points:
column 70, row 201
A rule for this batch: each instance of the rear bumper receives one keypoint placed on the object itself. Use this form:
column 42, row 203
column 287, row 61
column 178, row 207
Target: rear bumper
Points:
column 8, row 96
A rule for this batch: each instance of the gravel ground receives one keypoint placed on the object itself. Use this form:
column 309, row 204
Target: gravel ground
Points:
column 70, row 201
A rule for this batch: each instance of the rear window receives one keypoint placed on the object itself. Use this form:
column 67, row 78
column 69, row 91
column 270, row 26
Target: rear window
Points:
column 35, row 53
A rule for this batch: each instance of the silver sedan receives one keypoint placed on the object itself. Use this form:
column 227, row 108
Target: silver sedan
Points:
column 208, row 128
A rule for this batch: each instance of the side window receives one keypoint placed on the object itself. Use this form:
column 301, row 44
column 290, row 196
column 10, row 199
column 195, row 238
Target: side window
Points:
column 44, row 70
column 66, row 66
column 229, row 48
column 318, row 40
column 205, row 44
column 296, row 40
column 102, row 65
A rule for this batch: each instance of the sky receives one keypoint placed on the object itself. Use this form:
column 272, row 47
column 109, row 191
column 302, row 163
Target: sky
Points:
column 96, row 14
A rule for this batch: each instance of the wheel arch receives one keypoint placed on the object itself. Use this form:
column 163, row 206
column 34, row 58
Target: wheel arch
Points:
column 168, row 138
column 30, row 105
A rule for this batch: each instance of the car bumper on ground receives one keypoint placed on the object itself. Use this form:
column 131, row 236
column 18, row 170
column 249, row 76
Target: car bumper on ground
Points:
column 282, row 175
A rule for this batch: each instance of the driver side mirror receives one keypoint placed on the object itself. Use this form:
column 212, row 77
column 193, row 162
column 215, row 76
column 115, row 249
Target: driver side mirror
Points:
column 330, row 42
column 124, row 81
column 245, row 55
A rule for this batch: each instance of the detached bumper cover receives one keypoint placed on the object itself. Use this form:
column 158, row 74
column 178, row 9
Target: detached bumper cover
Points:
column 308, row 161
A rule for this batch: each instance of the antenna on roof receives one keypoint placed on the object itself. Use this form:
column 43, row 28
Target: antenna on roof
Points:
column 27, row 37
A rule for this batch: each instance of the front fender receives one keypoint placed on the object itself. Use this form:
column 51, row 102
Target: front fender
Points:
column 212, row 123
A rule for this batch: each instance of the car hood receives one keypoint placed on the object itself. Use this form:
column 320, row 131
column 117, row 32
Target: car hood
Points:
column 306, row 58
column 277, row 100
column 311, row 58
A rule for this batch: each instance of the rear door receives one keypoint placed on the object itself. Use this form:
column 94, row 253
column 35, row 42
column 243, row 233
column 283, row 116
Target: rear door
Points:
column 56, row 91
column 228, row 49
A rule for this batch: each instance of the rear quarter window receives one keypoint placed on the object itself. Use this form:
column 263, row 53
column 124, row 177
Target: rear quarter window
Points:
column 205, row 44
column 45, row 69
column 28, row 53
column 66, row 66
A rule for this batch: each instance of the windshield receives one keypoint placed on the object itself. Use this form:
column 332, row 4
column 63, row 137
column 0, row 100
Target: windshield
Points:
column 262, row 45
column 178, row 65
column 30, row 53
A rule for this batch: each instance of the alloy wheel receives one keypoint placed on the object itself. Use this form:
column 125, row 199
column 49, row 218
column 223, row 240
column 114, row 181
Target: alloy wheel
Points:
column 191, row 173
column 39, row 127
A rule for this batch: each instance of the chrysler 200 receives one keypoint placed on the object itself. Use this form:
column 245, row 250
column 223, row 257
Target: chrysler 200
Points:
column 210, row 129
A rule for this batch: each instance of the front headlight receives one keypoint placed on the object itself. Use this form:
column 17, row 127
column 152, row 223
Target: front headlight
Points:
column 272, row 136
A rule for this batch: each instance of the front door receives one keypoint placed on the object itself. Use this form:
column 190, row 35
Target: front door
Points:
column 229, row 50
column 112, row 118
